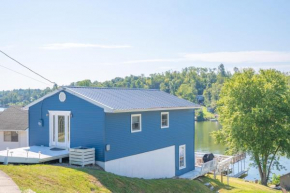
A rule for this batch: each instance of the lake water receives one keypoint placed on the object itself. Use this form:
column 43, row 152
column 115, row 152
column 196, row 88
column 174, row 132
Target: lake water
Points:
column 205, row 143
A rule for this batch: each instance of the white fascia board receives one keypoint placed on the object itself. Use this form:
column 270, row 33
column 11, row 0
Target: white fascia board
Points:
column 153, row 109
column 41, row 99
column 106, row 108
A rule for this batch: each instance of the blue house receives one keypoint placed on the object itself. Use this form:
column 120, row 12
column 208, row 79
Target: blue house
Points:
column 142, row 133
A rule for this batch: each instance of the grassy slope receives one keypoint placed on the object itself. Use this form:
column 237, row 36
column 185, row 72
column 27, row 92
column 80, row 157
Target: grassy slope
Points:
column 49, row 178
column 52, row 178
column 236, row 185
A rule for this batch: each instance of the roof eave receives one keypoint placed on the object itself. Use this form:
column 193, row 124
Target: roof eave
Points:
column 153, row 109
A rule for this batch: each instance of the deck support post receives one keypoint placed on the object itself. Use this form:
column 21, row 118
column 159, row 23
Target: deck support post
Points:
column 222, row 180
column 60, row 160
column 214, row 174
column 228, row 177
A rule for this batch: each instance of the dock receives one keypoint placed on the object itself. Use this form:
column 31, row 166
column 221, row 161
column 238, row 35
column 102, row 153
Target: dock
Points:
column 32, row 155
column 221, row 164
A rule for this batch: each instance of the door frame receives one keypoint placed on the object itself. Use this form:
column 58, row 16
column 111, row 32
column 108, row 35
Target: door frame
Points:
column 67, row 125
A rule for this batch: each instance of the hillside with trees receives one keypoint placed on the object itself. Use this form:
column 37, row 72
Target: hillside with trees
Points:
column 199, row 85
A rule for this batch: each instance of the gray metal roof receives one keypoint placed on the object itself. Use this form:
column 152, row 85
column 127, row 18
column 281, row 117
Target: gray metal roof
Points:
column 13, row 119
column 126, row 100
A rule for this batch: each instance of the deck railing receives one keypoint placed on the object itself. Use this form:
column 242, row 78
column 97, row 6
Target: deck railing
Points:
column 209, row 166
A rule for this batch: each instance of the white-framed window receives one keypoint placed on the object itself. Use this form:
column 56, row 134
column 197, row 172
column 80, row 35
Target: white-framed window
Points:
column 164, row 119
column 182, row 157
column 136, row 123
column 10, row 136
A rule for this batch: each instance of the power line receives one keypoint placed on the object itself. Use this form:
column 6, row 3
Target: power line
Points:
column 23, row 75
column 27, row 67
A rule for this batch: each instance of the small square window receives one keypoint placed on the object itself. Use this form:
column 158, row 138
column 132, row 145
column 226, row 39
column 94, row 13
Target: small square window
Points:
column 164, row 120
column 136, row 123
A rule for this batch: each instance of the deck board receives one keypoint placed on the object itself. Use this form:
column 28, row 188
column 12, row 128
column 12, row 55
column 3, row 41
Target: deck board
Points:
column 33, row 154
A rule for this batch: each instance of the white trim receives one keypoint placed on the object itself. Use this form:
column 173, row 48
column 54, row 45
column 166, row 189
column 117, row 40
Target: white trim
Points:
column 27, row 133
column 182, row 167
column 135, row 115
column 42, row 98
column 67, row 133
column 165, row 113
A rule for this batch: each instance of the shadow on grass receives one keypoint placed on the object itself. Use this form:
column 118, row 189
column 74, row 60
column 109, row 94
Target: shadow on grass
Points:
column 217, row 184
column 116, row 183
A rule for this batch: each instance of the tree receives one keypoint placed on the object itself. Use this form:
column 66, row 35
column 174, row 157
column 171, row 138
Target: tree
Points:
column 254, row 110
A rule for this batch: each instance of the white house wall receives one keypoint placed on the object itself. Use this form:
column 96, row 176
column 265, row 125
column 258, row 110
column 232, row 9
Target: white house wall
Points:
column 22, row 141
column 154, row 164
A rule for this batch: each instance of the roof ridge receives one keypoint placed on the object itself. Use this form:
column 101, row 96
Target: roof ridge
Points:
column 116, row 88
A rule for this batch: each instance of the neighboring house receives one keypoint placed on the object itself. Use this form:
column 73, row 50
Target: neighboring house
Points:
column 13, row 128
column 136, row 132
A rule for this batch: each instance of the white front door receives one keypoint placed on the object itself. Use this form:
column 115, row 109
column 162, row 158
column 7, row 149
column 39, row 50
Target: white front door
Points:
column 59, row 129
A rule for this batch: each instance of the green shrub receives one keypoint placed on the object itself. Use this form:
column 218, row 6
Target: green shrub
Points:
column 276, row 179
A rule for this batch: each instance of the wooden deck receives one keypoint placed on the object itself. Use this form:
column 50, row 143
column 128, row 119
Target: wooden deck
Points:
column 33, row 154
column 220, row 164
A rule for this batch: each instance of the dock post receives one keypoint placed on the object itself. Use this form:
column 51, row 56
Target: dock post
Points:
column 228, row 177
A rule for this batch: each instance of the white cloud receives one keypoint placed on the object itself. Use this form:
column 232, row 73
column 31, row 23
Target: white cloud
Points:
column 224, row 57
column 60, row 46
column 239, row 57
column 154, row 60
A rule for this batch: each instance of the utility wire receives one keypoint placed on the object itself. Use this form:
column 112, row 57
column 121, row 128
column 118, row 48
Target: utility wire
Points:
column 24, row 75
column 27, row 67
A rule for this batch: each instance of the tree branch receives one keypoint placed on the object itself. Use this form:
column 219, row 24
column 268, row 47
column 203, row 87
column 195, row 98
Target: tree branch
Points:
column 272, row 161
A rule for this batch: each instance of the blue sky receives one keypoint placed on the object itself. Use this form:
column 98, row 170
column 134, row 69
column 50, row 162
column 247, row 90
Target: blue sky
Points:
column 68, row 41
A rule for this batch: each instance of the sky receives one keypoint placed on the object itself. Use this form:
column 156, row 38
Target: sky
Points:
column 68, row 41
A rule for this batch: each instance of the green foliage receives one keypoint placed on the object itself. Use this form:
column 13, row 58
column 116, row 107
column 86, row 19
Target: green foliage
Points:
column 199, row 115
column 276, row 179
column 187, row 84
column 254, row 110
column 21, row 96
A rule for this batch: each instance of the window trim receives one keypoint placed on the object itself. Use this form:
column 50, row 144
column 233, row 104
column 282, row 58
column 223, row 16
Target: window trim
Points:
column 182, row 167
column 165, row 113
column 135, row 115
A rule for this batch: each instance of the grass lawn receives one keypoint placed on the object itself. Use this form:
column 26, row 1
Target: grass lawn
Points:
column 50, row 178
column 54, row 178
column 236, row 185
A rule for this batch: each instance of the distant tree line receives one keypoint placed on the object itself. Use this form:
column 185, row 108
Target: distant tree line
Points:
column 21, row 96
column 188, row 83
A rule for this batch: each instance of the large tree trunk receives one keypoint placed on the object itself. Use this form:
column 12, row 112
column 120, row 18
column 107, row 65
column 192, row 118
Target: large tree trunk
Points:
column 264, row 179
column 262, row 170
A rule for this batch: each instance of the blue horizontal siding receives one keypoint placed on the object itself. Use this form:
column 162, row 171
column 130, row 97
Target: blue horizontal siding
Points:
column 86, row 126
column 124, row 143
